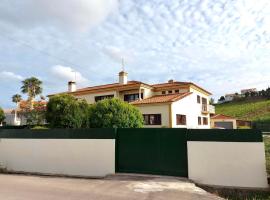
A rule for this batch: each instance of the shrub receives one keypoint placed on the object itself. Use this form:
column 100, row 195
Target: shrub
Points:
column 36, row 115
column 2, row 115
column 65, row 111
column 114, row 113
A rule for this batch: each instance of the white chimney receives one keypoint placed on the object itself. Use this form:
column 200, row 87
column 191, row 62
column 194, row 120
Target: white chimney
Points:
column 123, row 77
column 72, row 86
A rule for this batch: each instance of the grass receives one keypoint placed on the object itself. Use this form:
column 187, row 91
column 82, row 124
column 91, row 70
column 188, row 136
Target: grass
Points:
column 267, row 153
column 254, row 110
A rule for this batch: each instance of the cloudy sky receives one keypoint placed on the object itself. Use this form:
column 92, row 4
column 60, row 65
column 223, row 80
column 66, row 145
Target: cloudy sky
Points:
column 222, row 45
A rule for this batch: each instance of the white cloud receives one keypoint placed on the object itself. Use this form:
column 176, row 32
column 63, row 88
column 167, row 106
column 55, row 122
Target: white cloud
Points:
column 75, row 14
column 67, row 74
column 118, row 54
column 222, row 45
column 10, row 76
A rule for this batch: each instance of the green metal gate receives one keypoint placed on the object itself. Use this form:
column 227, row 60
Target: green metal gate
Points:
column 159, row 151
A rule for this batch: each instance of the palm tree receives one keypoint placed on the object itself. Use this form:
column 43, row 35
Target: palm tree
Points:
column 31, row 87
column 16, row 98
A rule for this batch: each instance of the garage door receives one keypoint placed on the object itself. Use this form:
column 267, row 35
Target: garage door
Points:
column 226, row 125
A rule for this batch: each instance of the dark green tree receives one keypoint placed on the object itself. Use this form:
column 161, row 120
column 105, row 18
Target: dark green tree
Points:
column 65, row 111
column 114, row 113
column 222, row 98
column 2, row 116
column 16, row 98
column 212, row 101
column 32, row 87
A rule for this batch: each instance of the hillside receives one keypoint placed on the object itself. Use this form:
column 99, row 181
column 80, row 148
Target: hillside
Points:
column 254, row 110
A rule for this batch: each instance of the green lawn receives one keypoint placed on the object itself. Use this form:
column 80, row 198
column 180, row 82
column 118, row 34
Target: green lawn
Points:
column 255, row 110
column 267, row 153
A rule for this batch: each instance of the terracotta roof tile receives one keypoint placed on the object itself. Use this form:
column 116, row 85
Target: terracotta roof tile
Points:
column 177, row 83
column 25, row 104
column 221, row 116
column 162, row 98
column 115, row 86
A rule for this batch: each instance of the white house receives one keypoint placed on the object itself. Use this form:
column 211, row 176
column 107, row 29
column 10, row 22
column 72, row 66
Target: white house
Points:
column 172, row 104
column 11, row 117
column 16, row 116
column 244, row 91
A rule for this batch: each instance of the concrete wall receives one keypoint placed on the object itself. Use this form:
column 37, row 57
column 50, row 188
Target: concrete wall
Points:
column 81, row 157
column 234, row 164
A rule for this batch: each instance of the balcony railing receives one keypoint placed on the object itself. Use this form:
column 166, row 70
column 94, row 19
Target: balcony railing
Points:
column 212, row 109
column 206, row 108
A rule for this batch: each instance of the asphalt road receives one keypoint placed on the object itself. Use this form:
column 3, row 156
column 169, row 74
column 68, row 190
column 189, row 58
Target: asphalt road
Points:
column 118, row 187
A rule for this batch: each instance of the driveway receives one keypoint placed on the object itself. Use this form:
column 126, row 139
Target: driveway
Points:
column 117, row 187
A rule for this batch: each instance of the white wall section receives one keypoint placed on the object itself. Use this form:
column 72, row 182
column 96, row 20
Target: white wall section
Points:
column 234, row 164
column 81, row 157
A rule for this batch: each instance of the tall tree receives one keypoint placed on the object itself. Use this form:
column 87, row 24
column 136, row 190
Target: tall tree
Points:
column 212, row 101
column 32, row 87
column 16, row 98
column 2, row 116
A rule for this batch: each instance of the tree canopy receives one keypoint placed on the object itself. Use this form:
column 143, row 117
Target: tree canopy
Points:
column 65, row 111
column 32, row 87
column 114, row 113
column 16, row 98
column 2, row 115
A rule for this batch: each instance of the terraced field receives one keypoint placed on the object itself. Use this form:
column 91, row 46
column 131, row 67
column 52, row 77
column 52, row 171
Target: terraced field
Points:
column 254, row 110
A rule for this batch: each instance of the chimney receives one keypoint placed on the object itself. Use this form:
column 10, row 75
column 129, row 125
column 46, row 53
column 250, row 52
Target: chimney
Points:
column 123, row 77
column 72, row 86
column 170, row 81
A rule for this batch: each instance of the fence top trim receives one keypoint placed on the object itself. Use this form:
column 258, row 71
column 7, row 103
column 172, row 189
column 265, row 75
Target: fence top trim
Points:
column 225, row 135
column 94, row 133
column 214, row 135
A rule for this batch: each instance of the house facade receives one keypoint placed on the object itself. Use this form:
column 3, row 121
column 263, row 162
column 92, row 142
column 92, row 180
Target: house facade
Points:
column 173, row 104
column 16, row 116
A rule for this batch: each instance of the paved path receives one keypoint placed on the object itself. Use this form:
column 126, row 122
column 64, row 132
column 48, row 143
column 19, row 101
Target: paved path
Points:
column 119, row 187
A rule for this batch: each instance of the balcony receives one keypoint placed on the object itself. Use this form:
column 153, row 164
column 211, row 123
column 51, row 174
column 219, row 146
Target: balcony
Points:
column 212, row 109
column 206, row 109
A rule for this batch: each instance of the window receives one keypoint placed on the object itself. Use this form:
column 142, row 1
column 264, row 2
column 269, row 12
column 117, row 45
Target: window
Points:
column 176, row 91
column 204, row 101
column 99, row 98
column 198, row 99
column 163, row 92
column 205, row 121
column 199, row 121
column 170, row 91
column 181, row 119
column 152, row 119
column 132, row 97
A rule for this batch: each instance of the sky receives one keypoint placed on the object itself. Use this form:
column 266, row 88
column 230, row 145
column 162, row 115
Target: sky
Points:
column 221, row 45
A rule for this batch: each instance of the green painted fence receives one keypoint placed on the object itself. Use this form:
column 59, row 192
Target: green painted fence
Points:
column 225, row 135
column 93, row 133
column 152, row 151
